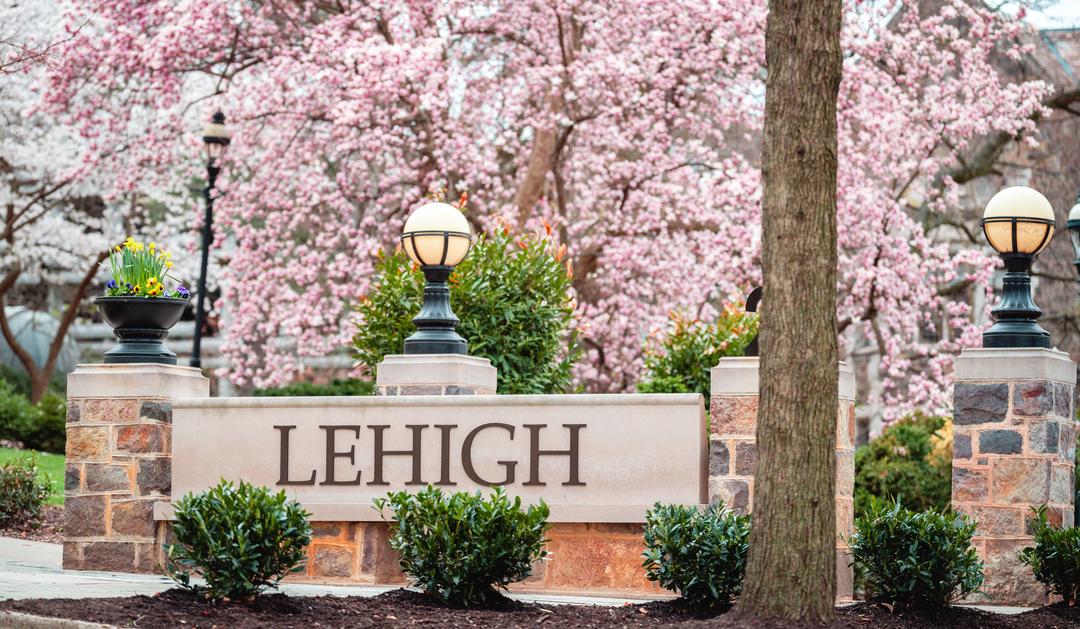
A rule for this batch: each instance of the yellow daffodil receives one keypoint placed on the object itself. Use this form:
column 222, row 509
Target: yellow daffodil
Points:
column 118, row 248
column 168, row 265
column 153, row 246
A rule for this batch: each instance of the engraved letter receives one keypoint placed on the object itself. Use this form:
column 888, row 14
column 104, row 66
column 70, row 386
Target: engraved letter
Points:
column 466, row 457
column 417, row 430
column 535, row 453
column 332, row 455
column 283, row 469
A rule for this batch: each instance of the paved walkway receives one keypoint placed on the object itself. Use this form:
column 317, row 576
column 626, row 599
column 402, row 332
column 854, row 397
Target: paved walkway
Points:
column 32, row 570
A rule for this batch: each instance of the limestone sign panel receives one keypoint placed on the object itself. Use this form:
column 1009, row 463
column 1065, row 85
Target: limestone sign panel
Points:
column 593, row 458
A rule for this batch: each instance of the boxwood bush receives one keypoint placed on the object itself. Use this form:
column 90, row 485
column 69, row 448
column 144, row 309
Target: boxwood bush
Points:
column 240, row 538
column 513, row 296
column 903, row 464
column 22, row 492
column 700, row 554
column 461, row 547
column 1055, row 557
column 915, row 560
column 37, row 427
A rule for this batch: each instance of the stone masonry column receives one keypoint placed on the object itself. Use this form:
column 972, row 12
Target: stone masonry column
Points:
column 733, row 451
column 119, row 462
column 1014, row 448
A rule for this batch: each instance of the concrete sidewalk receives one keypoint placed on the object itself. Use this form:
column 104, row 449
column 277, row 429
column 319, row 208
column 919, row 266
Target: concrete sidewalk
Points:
column 33, row 570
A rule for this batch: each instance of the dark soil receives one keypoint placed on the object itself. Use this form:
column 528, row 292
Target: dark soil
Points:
column 401, row 608
column 49, row 529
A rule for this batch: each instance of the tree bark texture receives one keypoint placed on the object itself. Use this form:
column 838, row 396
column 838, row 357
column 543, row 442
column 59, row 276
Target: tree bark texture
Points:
column 791, row 568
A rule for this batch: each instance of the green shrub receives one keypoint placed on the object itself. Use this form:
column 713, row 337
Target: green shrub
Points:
column 901, row 464
column 461, row 547
column 346, row 386
column 701, row 554
column 514, row 301
column 915, row 559
column 1055, row 557
column 682, row 360
column 240, row 539
column 23, row 490
column 40, row 427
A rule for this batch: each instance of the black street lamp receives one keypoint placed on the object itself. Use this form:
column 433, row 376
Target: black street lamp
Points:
column 437, row 237
column 1074, row 232
column 1018, row 222
column 216, row 139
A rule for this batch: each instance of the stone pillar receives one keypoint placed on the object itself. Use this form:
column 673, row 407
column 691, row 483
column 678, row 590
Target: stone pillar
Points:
column 1014, row 448
column 119, row 462
column 435, row 374
column 733, row 451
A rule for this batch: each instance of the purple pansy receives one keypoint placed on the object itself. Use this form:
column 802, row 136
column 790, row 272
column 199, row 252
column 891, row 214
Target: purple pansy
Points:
column 111, row 284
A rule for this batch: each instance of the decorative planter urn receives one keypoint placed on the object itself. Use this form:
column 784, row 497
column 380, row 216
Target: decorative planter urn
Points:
column 141, row 325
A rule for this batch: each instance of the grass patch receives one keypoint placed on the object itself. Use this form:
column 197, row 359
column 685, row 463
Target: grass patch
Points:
column 48, row 464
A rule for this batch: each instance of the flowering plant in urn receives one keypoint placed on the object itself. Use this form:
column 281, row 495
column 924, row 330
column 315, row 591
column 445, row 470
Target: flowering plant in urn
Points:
column 138, row 303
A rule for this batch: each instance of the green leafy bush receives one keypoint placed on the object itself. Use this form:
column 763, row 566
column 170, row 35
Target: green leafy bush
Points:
column 915, row 560
column 902, row 464
column 40, row 427
column 461, row 547
column 239, row 538
column 346, row 386
column 682, row 359
column 514, row 301
column 701, row 554
column 1055, row 557
column 23, row 490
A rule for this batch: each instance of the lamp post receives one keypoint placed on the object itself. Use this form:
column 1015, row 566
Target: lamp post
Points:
column 437, row 237
column 1018, row 222
column 1074, row 232
column 216, row 137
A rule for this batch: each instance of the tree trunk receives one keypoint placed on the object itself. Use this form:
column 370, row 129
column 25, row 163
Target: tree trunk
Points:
column 791, row 568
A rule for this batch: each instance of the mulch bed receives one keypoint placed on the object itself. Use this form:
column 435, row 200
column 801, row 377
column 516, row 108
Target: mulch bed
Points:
column 401, row 608
column 49, row 529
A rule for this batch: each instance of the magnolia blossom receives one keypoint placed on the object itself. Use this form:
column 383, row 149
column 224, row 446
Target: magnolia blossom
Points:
column 632, row 128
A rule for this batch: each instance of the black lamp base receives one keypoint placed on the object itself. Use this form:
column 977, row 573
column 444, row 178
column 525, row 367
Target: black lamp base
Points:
column 436, row 321
column 1016, row 334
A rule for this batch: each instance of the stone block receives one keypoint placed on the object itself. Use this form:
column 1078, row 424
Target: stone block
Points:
column 154, row 476
column 331, row 561
column 103, row 477
column 149, row 558
column 845, row 473
column 388, row 391
column 142, row 439
column 719, row 457
column 87, row 443
column 84, row 516
column 327, row 530
column 1055, row 516
column 1043, row 436
column 133, row 518
column 995, row 521
column 745, row 458
column 73, row 412
column 735, row 494
column 108, row 556
column 1000, row 442
column 1067, row 442
column 845, row 518
column 456, row 390
column 961, row 446
column 377, row 558
column 1008, row 581
column 421, row 389
column 156, row 411
column 734, row 415
column 72, row 478
column 1020, row 481
column 980, row 403
column 1061, row 484
column 1063, row 400
column 969, row 485
column 596, row 562
column 1033, row 398
column 110, row 410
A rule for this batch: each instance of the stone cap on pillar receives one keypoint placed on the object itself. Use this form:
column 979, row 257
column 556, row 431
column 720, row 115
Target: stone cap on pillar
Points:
column 436, row 369
column 1014, row 363
column 738, row 375
column 136, row 380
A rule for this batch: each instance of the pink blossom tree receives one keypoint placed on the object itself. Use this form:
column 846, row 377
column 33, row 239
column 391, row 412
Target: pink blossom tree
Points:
column 631, row 127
